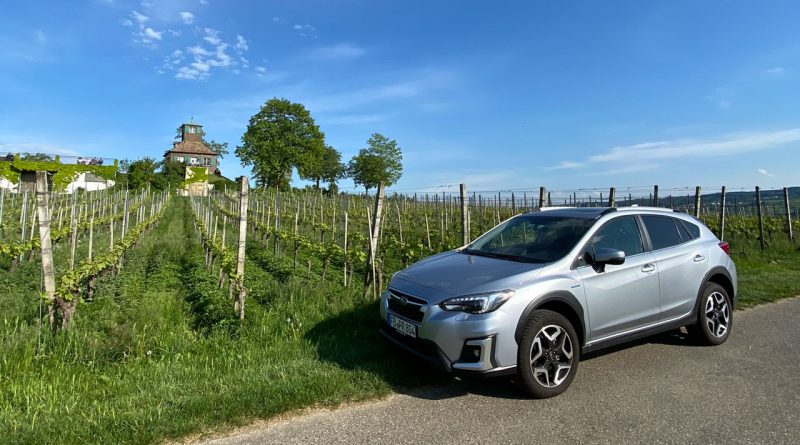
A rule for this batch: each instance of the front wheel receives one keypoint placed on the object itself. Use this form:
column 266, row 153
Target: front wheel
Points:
column 548, row 354
column 715, row 318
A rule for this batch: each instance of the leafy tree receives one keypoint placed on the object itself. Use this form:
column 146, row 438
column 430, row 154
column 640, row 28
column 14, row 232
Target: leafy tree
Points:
column 280, row 137
column 326, row 167
column 142, row 172
column 36, row 157
column 220, row 148
column 381, row 161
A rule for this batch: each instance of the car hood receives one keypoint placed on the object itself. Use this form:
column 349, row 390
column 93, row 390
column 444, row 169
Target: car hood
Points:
column 454, row 273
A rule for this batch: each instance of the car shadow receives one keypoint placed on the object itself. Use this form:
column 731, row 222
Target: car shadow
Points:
column 352, row 341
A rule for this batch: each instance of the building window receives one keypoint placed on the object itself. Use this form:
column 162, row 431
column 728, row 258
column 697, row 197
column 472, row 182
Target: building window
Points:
column 208, row 161
column 193, row 161
column 179, row 158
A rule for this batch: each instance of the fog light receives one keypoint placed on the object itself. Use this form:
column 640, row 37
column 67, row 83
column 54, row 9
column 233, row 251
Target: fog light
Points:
column 470, row 354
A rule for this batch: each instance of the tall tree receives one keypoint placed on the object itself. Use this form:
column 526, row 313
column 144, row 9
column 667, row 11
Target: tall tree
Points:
column 381, row 161
column 326, row 167
column 142, row 172
column 220, row 148
column 281, row 136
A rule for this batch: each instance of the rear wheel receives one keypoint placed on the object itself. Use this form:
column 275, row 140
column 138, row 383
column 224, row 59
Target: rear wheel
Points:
column 548, row 354
column 715, row 317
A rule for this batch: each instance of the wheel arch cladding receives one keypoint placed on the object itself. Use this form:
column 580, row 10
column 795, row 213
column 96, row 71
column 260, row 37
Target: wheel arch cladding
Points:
column 719, row 275
column 562, row 302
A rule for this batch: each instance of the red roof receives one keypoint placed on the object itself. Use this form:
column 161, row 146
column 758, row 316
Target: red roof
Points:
column 192, row 147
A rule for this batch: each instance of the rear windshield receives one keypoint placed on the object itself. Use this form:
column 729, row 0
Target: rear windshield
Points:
column 533, row 238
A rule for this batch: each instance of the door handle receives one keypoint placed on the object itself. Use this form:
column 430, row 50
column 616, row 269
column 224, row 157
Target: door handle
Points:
column 699, row 258
column 647, row 268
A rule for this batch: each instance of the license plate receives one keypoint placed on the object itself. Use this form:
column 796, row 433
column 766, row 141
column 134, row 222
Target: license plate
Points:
column 403, row 326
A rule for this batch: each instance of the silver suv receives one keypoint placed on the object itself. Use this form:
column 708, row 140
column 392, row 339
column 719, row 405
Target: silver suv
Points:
column 540, row 289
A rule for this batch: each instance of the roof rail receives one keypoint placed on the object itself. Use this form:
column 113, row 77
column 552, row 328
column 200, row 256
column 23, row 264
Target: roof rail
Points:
column 655, row 209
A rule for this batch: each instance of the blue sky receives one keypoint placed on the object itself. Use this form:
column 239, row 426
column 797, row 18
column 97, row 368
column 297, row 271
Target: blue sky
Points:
column 500, row 95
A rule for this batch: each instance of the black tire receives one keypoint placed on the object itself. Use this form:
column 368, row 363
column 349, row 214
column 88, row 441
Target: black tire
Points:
column 551, row 356
column 714, row 316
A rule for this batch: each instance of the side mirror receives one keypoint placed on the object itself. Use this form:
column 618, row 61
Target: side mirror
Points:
column 606, row 255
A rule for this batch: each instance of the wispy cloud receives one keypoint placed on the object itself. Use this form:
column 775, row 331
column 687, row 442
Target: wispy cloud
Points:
column 204, row 60
column 775, row 71
column 338, row 52
column 186, row 17
column 764, row 172
column 644, row 156
column 721, row 146
column 565, row 165
column 305, row 31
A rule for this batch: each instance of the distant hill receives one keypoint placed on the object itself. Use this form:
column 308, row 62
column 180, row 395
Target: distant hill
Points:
column 770, row 197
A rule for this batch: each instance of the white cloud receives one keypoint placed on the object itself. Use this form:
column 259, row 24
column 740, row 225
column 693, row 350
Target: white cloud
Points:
column 241, row 43
column 340, row 51
column 198, row 50
column 721, row 146
column 565, row 165
column 305, row 31
column 764, row 172
column 126, row 22
column 212, row 36
column 187, row 17
column 187, row 73
column 151, row 34
column 140, row 18
column 261, row 69
column 775, row 71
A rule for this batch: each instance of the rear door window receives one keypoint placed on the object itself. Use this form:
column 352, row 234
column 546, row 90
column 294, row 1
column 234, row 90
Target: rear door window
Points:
column 693, row 229
column 663, row 231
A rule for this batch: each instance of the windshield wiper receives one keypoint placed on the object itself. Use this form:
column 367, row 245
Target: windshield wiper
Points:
column 500, row 256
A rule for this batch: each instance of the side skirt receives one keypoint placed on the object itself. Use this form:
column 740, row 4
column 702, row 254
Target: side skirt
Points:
column 676, row 324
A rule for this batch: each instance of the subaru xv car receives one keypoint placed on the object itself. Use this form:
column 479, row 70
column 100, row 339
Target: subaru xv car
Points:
column 541, row 288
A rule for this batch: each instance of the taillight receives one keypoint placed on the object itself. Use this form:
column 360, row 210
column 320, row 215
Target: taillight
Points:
column 726, row 247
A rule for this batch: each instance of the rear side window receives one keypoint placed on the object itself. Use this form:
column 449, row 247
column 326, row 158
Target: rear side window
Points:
column 663, row 231
column 693, row 229
column 620, row 234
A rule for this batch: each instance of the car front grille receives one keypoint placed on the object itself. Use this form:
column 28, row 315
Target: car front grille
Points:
column 406, row 306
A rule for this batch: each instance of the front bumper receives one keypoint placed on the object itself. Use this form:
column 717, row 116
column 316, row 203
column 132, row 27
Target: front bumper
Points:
column 457, row 342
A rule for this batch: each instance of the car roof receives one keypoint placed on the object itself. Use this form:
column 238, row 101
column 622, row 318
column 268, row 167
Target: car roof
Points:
column 595, row 212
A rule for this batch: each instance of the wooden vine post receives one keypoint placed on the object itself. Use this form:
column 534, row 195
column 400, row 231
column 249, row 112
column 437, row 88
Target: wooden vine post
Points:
column 243, row 192
column 722, row 215
column 697, row 202
column 375, row 228
column 542, row 196
column 612, row 197
column 760, row 218
column 48, row 272
column 788, row 213
column 465, row 232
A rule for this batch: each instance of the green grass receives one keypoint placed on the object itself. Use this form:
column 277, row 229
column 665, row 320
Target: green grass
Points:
column 158, row 354
column 767, row 275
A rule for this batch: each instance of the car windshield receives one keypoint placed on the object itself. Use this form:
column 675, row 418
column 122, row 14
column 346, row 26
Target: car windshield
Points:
column 532, row 238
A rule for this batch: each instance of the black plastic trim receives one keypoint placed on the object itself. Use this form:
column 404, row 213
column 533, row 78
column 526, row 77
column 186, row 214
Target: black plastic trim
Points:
column 687, row 320
column 560, row 296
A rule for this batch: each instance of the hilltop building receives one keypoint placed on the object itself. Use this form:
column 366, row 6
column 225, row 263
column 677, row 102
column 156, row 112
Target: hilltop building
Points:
column 191, row 149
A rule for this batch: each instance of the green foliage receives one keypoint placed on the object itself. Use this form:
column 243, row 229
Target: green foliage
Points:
column 63, row 174
column 198, row 174
column 380, row 162
column 280, row 137
column 220, row 148
column 142, row 172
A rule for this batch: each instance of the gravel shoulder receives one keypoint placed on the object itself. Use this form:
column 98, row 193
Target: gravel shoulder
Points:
column 663, row 389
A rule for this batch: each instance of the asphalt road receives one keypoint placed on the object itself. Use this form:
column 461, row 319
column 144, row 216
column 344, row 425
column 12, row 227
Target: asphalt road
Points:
column 662, row 390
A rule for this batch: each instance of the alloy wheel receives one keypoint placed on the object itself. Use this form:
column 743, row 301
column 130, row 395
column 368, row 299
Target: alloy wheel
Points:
column 551, row 356
column 718, row 314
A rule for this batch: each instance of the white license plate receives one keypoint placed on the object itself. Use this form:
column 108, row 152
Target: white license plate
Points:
column 403, row 326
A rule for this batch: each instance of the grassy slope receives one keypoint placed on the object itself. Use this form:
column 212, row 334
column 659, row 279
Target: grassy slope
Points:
column 157, row 355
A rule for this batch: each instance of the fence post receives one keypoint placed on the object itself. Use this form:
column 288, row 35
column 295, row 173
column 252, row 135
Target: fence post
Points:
column 655, row 196
column 369, row 276
column 2, row 203
column 697, row 202
column 465, row 232
column 243, row 192
column 788, row 213
column 73, row 225
column 612, row 197
column 542, row 196
column 46, row 245
column 722, row 215
column 760, row 218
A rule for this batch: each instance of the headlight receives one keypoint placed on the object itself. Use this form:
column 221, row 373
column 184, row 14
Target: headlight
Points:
column 478, row 303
